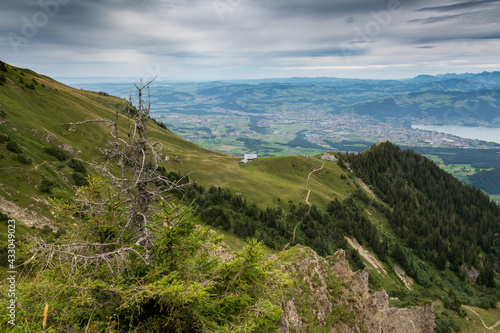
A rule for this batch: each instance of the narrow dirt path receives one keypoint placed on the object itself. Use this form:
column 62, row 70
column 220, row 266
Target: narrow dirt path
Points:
column 307, row 202
column 486, row 326
column 36, row 166
column 307, row 183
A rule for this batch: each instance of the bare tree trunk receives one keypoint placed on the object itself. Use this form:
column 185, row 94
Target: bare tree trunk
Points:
column 138, row 186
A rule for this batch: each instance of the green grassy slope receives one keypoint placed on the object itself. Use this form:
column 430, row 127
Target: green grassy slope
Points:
column 33, row 107
column 33, row 117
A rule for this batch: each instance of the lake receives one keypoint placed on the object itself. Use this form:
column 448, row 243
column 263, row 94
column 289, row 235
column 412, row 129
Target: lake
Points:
column 491, row 134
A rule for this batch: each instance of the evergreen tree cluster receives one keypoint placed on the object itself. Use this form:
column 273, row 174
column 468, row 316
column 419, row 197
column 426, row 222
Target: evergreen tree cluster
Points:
column 489, row 180
column 443, row 220
column 3, row 68
column 323, row 231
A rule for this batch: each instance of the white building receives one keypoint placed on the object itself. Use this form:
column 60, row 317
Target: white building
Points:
column 248, row 157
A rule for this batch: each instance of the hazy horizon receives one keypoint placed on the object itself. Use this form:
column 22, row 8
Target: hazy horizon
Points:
column 125, row 79
column 207, row 40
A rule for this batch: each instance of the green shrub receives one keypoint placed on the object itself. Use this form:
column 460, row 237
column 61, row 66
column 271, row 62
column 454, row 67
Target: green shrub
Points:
column 4, row 138
column 76, row 165
column 452, row 301
column 13, row 147
column 46, row 185
column 4, row 217
column 58, row 153
column 446, row 323
column 23, row 159
column 79, row 179
column 3, row 68
column 488, row 302
column 185, row 289
column 2, row 79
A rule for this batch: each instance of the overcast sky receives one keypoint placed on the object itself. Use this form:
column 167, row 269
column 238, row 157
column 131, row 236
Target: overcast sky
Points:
column 243, row 39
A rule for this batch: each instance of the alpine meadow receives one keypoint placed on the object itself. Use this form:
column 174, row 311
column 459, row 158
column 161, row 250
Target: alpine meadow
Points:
column 111, row 222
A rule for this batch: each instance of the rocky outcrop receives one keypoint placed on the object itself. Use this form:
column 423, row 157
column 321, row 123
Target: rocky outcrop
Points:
column 329, row 157
column 471, row 273
column 326, row 294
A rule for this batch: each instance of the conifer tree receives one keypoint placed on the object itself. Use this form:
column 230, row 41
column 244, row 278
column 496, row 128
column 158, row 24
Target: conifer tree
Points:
column 138, row 261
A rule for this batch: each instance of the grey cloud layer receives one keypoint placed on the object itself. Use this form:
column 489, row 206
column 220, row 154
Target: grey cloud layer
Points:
column 268, row 35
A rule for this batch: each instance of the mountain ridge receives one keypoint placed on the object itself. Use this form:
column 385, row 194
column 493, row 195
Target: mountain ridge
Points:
column 271, row 191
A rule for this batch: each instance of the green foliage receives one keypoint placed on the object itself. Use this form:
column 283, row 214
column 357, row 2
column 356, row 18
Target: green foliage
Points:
column 79, row 179
column 434, row 214
column 24, row 321
column 2, row 78
column 446, row 323
column 489, row 301
column 57, row 152
column 23, row 159
column 322, row 231
column 3, row 68
column 488, row 181
column 159, row 123
column 4, row 138
column 451, row 301
column 46, row 185
column 13, row 147
column 4, row 217
column 184, row 289
column 77, row 165
column 30, row 86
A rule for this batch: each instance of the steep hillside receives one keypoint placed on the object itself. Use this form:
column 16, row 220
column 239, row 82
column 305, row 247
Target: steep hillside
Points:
column 448, row 223
column 405, row 225
column 33, row 109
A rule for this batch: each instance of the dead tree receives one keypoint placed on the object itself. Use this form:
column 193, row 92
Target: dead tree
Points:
column 136, row 189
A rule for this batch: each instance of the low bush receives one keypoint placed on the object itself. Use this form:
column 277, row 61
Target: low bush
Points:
column 58, row 153
column 46, row 185
column 4, row 138
column 23, row 159
column 76, row 165
column 446, row 323
column 13, row 146
column 79, row 179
